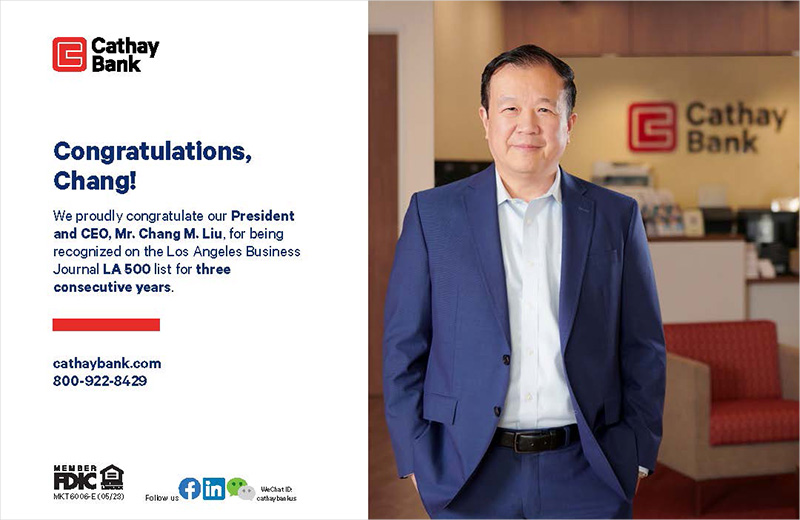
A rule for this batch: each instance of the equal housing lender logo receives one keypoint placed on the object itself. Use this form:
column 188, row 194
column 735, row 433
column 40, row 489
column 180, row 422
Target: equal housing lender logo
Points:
column 71, row 54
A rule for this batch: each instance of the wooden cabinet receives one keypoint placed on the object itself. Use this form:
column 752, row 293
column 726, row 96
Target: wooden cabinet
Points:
column 782, row 22
column 654, row 28
column 699, row 28
column 718, row 28
column 569, row 28
column 659, row 28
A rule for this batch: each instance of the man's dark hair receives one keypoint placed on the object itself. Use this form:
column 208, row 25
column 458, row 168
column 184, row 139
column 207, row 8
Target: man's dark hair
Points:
column 527, row 56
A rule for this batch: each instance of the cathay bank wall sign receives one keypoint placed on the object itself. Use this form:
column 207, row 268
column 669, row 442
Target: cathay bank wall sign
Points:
column 730, row 128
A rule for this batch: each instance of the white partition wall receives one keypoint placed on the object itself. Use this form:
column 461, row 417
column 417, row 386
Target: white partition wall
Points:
column 776, row 301
column 700, row 280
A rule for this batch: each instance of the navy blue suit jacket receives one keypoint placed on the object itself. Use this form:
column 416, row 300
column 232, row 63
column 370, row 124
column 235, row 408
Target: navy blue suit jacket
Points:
column 446, row 331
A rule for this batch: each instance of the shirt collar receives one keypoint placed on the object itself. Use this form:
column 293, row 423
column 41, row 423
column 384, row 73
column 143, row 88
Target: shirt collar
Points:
column 555, row 188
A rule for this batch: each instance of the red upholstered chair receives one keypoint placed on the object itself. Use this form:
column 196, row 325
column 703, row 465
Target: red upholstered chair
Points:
column 731, row 406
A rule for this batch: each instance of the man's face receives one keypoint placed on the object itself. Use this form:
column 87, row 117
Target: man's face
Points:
column 527, row 125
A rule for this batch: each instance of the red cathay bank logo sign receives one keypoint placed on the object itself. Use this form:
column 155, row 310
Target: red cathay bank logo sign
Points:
column 652, row 127
column 69, row 54
column 102, row 54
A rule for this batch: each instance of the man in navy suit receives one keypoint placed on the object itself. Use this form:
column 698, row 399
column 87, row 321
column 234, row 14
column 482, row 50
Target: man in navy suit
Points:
column 524, row 361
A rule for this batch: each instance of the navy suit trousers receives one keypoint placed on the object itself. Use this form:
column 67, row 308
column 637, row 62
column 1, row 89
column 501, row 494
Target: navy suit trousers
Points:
column 549, row 484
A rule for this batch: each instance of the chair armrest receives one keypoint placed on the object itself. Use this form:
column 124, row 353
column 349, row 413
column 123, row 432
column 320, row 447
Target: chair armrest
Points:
column 687, row 409
column 789, row 365
column 688, row 399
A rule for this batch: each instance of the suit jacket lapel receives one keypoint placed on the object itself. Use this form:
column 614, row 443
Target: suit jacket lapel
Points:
column 480, row 203
column 577, row 222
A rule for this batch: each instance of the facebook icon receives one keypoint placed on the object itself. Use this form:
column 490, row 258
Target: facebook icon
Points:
column 213, row 489
column 189, row 488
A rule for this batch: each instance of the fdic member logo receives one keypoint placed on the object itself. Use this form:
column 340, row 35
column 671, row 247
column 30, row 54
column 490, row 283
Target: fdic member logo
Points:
column 652, row 127
column 84, row 476
column 72, row 476
column 69, row 54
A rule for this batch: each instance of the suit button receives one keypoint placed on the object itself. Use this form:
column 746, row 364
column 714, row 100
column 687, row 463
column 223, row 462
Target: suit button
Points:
column 497, row 411
column 506, row 359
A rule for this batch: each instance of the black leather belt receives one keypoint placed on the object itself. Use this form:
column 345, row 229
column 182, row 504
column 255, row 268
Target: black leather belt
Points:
column 534, row 441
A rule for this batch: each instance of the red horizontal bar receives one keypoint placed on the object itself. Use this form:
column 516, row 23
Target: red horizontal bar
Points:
column 106, row 324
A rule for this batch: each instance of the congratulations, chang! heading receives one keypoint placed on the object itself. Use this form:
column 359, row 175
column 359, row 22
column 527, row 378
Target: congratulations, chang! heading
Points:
column 108, row 154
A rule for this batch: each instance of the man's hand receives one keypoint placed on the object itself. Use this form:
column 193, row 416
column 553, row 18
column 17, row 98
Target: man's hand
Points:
column 414, row 480
column 638, row 480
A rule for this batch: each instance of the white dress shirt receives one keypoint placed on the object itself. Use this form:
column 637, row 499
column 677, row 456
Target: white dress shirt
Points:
column 530, row 236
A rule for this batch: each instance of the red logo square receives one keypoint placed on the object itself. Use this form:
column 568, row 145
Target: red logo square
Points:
column 69, row 54
column 652, row 127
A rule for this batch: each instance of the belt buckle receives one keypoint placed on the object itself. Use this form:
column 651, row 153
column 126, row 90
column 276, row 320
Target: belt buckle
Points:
column 516, row 442
column 548, row 440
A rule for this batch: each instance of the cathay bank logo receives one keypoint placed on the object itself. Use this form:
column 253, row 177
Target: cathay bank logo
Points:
column 71, row 54
column 652, row 127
